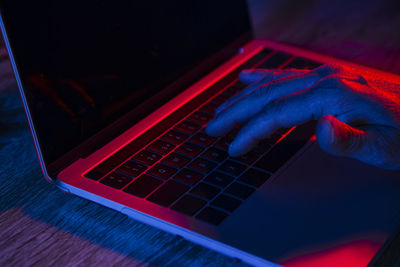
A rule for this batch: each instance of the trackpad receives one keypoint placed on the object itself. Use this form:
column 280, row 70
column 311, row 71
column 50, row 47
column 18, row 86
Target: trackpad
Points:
column 317, row 204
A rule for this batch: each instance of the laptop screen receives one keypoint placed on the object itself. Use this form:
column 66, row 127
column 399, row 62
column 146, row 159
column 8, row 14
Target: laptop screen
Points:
column 86, row 64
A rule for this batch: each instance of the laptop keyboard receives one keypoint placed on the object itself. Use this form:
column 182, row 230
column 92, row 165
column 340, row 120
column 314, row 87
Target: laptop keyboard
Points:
column 191, row 173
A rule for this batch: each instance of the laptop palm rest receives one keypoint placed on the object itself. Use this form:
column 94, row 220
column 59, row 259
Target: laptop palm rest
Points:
column 318, row 202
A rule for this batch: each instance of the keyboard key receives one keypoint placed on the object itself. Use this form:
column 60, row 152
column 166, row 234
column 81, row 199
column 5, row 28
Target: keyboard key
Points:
column 215, row 154
column 235, row 88
column 239, row 190
column 188, row 176
column 205, row 191
column 201, row 117
column 147, row 157
column 188, row 127
column 233, row 168
column 286, row 148
column 301, row 63
column 257, row 58
column 263, row 146
column 175, row 137
column 202, row 165
column 189, row 205
column 132, row 168
column 224, row 143
column 219, row 179
column 202, row 139
column 211, row 215
column 143, row 186
column 220, row 99
column 130, row 149
column 190, row 149
column 228, row 94
column 162, row 171
column 168, row 193
column 209, row 108
column 116, row 180
column 94, row 174
column 275, row 61
column 161, row 147
column 226, row 203
column 177, row 160
column 254, row 177
column 249, row 158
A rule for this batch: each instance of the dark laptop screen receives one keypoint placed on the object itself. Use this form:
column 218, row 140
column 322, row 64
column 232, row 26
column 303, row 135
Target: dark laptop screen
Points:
column 85, row 64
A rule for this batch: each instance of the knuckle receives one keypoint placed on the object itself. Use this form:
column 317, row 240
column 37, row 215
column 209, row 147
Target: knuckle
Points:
column 362, row 80
column 262, row 91
column 331, row 83
column 275, row 75
column 355, row 78
column 272, row 76
column 360, row 77
column 329, row 69
column 273, row 107
column 331, row 87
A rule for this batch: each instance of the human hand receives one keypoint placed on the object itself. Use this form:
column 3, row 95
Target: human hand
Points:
column 358, row 111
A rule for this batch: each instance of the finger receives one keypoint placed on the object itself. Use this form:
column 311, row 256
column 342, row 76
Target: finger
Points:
column 243, row 110
column 293, row 110
column 337, row 137
column 255, row 75
column 263, row 77
column 373, row 144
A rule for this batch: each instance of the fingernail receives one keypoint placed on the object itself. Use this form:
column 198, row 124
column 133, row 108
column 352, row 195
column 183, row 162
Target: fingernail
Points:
column 244, row 73
column 232, row 149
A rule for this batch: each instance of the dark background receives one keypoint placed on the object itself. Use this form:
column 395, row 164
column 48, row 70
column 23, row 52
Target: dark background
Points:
column 363, row 31
column 120, row 54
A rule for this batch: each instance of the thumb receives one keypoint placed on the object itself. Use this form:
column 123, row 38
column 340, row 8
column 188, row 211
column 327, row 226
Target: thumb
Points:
column 339, row 138
column 377, row 145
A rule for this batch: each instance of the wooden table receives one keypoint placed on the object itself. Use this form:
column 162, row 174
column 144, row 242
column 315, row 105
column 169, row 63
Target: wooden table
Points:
column 40, row 225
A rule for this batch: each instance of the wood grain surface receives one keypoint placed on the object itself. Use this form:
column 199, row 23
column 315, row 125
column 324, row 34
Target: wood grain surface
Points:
column 41, row 226
column 363, row 31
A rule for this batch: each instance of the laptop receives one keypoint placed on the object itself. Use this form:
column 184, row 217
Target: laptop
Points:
column 117, row 96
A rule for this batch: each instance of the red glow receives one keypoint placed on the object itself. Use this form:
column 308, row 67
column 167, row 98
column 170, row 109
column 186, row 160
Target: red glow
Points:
column 356, row 253
column 73, row 175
